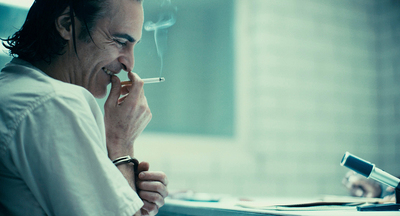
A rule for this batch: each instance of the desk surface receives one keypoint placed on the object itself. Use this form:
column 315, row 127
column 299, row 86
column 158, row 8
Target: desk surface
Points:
column 230, row 207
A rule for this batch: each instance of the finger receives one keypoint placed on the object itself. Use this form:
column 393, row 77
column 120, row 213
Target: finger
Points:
column 346, row 183
column 349, row 173
column 354, row 179
column 355, row 182
column 389, row 198
column 143, row 166
column 150, row 208
column 152, row 198
column 357, row 191
column 154, row 176
column 144, row 212
column 390, row 189
column 120, row 100
column 133, row 76
column 125, row 89
column 153, row 186
column 115, row 92
column 344, row 180
column 136, row 89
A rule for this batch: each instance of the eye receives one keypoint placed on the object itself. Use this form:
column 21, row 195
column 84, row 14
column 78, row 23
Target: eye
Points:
column 120, row 43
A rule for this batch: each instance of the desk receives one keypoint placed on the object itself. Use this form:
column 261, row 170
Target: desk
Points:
column 228, row 207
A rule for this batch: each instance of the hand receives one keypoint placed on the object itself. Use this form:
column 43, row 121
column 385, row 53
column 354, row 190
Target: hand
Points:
column 125, row 118
column 360, row 186
column 152, row 189
column 391, row 197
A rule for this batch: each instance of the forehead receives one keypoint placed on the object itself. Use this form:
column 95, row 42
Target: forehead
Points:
column 124, row 16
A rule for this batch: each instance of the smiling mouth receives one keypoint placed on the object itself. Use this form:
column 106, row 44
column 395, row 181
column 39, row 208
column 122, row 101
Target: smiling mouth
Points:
column 108, row 71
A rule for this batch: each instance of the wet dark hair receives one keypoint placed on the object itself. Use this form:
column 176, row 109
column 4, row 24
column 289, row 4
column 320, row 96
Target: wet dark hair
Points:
column 38, row 38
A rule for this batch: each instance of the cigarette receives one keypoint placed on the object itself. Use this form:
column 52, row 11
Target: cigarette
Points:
column 146, row 81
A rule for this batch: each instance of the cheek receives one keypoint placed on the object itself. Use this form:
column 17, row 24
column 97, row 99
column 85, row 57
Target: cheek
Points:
column 107, row 55
column 94, row 58
column 112, row 53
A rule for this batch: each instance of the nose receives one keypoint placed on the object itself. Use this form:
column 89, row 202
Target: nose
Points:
column 127, row 60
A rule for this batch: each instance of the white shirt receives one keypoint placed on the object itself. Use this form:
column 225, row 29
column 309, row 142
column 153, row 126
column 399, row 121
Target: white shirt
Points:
column 53, row 155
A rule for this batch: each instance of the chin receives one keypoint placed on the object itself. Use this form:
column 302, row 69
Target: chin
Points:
column 99, row 96
column 99, row 93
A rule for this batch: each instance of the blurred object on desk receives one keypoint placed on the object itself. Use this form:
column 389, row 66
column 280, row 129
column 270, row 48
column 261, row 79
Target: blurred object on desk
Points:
column 326, row 203
column 189, row 195
column 233, row 206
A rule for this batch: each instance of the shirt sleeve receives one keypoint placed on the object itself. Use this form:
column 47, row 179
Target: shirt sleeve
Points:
column 62, row 157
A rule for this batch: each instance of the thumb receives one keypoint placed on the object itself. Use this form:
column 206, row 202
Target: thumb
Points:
column 143, row 166
column 115, row 92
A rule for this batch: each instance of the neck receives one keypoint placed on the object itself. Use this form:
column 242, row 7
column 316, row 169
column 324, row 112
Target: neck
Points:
column 57, row 69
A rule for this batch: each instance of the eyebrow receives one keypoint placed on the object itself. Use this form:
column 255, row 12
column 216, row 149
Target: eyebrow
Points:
column 125, row 36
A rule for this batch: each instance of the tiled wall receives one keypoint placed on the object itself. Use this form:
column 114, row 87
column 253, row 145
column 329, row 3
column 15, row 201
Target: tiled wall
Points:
column 388, row 70
column 314, row 93
column 314, row 79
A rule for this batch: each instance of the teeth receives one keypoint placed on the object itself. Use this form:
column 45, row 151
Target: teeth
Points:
column 107, row 71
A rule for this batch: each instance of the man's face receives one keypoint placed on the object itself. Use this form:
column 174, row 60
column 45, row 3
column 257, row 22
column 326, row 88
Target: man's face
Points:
column 114, row 38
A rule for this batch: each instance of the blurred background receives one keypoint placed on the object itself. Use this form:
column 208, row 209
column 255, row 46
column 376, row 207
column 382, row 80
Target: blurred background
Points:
column 263, row 97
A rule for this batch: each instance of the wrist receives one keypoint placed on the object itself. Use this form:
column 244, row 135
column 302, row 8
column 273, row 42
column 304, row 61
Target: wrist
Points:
column 114, row 152
column 128, row 166
column 126, row 160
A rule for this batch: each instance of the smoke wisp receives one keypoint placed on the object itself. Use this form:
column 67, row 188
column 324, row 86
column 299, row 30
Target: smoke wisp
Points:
column 167, row 18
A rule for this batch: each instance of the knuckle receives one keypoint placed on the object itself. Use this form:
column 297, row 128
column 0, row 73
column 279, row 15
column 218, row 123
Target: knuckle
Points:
column 140, row 82
column 140, row 184
column 163, row 175
column 164, row 178
column 153, row 209
column 144, row 108
column 159, row 187
column 161, row 202
column 143, row 194
column 155, row 197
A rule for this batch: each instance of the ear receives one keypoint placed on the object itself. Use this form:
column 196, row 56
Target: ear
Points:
column 64, row 25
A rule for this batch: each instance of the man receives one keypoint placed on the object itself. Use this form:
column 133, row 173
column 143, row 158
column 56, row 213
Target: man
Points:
column 58, row 154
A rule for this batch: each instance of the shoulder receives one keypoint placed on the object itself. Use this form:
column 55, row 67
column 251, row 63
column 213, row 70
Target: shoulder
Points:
column 22, row 81
column 22, row 84
column 24, row 89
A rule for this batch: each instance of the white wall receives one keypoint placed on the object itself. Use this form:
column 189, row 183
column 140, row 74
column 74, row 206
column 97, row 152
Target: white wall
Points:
column 310, row 81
